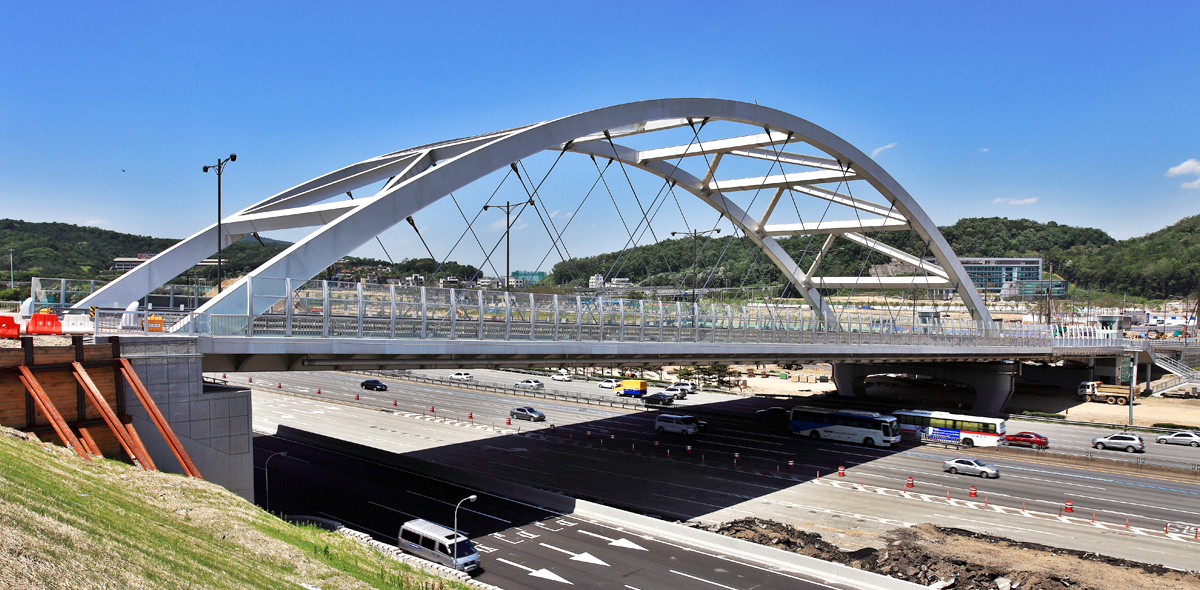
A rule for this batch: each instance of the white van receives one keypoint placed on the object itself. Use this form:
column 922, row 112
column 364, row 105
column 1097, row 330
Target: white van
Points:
column 438, row 544
column 688, row 425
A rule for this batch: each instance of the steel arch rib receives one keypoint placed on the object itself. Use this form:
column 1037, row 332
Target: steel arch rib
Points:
column 461, row 162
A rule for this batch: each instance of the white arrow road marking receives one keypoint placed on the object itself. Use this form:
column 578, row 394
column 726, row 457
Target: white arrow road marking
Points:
column 626, row 543
column 703, row 580
column 542, row 573
column 584, row 557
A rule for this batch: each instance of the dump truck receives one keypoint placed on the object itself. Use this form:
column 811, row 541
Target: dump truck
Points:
column 1096, row 391
column 631, row 387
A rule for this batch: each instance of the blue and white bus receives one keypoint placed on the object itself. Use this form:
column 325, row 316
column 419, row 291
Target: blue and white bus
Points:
column 968, row 431
column 868, row 428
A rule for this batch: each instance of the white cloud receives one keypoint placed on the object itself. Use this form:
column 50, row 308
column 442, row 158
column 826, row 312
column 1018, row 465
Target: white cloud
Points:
column 984, row 151
column 95, row 223
column 1029, row 201
column 1191, row 166
column 886, row 147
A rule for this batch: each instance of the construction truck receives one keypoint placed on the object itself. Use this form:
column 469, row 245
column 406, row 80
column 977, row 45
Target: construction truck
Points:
column 631, row 387
column 1096, row 391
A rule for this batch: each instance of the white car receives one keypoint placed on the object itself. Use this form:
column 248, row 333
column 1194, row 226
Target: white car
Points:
column 610, row 383
column 676, row 391
column 561, row 376
column 1184, row 437
column 530, row 384
column 461, row 376
column 686, row 386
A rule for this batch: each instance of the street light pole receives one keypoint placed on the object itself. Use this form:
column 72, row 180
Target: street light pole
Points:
column 10, row 269
column 267, row 478
column 470, row 498
column 695, row 253
column 508, row 208
column 220, row 167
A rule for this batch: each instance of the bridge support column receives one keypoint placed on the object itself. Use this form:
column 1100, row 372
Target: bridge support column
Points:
column 992, row 391
column 851, row 378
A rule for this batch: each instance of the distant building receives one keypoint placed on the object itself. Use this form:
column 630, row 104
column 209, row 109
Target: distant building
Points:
column 529, row 276
column 991, row 274
column 449, row 283
column 621, row 283
column 595, row 281
column 1030, row 290
column 488, row 283
column 132, row 262
column 515, row 283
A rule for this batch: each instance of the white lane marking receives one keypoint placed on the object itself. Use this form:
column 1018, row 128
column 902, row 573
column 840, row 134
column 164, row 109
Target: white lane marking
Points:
column 703, row 580
column 997, row 524
column 631, row 587
column 1140, row 505
column 543, row 573
column 463, row 508
column 400, row 511
column 584, row 557
column 622, row 542
column 717, row 506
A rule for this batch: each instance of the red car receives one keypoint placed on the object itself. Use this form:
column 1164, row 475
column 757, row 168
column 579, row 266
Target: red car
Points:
column 1027, row 439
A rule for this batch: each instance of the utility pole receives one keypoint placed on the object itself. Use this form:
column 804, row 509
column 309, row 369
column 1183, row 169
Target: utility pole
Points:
column 508, row 208
column 696, row 254
column 220, row 167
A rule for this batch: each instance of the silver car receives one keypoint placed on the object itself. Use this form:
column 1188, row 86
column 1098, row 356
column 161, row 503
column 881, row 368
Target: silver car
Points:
column 1130, row 443
column 971, row 467
column 530, row 384
column 1183, row 437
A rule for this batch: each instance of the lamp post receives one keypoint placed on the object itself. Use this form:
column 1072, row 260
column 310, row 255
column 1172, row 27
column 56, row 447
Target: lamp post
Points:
column 267, row 478
column 695, row 252
column 10, row 269
column 220, row 167
column 470, row 498
column 508, row 208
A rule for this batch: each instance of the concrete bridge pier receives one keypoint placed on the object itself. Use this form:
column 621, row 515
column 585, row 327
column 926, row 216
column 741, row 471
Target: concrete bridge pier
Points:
column 993, row 383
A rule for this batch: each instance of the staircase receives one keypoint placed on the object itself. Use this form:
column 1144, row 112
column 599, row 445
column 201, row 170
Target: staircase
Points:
column 1174, row 366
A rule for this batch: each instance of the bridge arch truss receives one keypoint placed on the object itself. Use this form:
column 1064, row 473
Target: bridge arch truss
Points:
column 417, row 177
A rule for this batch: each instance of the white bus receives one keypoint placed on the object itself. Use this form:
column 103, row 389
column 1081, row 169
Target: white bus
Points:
column 968, row 431
column 868, row 428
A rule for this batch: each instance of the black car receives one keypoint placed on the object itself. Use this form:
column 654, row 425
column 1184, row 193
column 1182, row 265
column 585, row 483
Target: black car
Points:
column 526, row 413
column 373, row 385
column 775, row 413
column 658, row 399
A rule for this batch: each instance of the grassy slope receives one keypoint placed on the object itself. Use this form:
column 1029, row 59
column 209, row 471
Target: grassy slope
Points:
column 65, row 523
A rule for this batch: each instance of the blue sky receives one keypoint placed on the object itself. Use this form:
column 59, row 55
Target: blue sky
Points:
column 1082, row 113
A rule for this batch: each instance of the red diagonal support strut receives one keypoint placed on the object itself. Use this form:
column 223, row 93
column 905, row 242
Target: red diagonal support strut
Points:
column 163, row 427
column 50, row 412
column 110, row 418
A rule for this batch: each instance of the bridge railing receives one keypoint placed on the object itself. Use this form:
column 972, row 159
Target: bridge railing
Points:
column 321, row 309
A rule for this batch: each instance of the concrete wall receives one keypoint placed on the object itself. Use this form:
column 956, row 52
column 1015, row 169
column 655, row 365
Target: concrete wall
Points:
column 213, row 427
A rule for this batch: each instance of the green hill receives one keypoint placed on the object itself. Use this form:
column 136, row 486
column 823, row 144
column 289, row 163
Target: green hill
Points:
column 67, row 523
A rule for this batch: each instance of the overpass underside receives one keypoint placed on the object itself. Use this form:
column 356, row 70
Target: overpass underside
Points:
column 317, row 354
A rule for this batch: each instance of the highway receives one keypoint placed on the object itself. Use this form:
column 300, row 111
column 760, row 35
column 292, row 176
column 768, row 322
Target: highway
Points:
column 521, row 546
column 705, row 485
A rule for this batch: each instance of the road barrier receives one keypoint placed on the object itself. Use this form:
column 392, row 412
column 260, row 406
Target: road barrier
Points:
column 1069, row 506
column 909, row 483
column 842, row 471
column 975, row 492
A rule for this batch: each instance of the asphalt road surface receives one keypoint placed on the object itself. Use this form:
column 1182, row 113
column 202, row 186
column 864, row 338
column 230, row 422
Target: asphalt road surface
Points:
column 625, row 463
column 521, row 546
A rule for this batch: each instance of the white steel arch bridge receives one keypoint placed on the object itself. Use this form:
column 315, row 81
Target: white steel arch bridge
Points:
column 810, row 161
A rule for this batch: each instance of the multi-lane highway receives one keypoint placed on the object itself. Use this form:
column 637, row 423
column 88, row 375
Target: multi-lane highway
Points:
column 625, row 463
column 521, row 546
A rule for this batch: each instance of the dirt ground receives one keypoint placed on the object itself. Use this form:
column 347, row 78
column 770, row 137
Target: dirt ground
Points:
column 953, row 558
